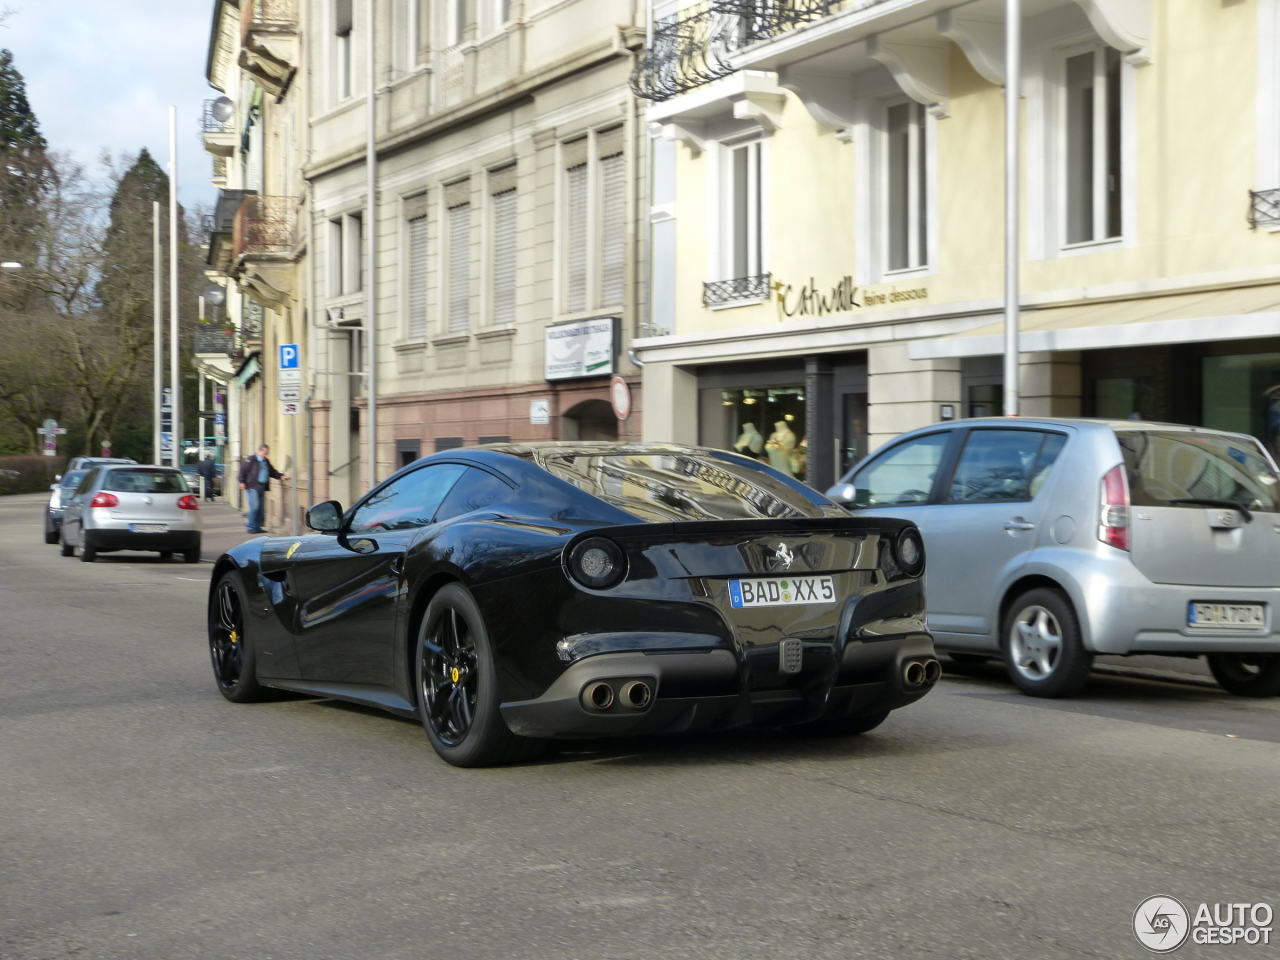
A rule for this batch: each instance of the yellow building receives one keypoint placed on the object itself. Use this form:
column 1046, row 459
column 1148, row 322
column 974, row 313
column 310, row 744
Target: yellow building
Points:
column 827, row 206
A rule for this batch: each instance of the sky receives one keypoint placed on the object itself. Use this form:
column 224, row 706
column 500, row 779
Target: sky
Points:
column 103, row 73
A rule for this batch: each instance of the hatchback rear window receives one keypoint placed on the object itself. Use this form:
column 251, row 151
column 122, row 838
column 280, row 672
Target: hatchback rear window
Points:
column 681, row 486
column 1186, row 469
column 145, row 481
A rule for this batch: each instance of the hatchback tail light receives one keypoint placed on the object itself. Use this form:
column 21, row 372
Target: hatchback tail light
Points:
column 188, row 502
column 1113, row 523
column 105, row 499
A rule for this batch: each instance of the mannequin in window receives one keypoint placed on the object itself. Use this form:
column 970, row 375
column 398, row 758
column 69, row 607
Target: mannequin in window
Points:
column 800, row 459
column 780, row 445
column 751, row 442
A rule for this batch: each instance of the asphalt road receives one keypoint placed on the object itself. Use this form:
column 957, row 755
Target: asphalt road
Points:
column 142, row 816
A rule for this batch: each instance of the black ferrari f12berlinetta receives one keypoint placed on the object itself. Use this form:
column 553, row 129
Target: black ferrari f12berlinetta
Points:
column 509, row 594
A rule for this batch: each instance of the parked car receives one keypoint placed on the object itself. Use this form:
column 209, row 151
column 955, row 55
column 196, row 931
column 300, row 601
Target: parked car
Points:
column 189, row 470
column 81, row 463
column 1052, row 540
column 62, row 490
column 513, row 593
column 119, row 507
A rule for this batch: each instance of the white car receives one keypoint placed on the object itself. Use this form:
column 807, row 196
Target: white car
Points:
column 1052, row 540
column 118, row 507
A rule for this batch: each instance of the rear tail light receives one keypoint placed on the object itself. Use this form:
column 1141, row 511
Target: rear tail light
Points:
column 188, row 502
column 105, row 500
column 1113, row 523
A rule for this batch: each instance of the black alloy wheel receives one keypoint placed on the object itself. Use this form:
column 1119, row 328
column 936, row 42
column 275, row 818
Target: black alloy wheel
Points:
column 1247, row 674
column 457, row 686
column 229, row 647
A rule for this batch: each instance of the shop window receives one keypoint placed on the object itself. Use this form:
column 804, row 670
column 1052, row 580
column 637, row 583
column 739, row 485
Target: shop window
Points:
column 853, row 446
column 1242, row 394
column 906, row 187
column 985, row 400
column 1124, row 398
column 1092, row 146
column 408, row 451
column 767, row 424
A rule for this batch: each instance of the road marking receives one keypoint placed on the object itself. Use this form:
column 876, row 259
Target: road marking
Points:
column 192, row 579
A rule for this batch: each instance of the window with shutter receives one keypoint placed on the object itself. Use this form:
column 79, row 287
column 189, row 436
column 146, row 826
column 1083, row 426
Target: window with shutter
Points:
column 417, row 327
column 613, row 232
column 576, row 238
column 504, row 256
column 460, row 268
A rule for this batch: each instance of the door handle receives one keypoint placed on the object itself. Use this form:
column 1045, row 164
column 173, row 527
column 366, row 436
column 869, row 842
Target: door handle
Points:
column 1019, row 525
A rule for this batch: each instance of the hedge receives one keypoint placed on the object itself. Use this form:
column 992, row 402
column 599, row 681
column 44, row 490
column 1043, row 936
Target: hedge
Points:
column 25, row 474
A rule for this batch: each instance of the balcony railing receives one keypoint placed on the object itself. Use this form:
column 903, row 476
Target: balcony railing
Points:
column 209, row 123
column 267, row 14
column 212, row 338
column 720, row 292
column 695, row 47
column 264, row 225
column 1264, row 208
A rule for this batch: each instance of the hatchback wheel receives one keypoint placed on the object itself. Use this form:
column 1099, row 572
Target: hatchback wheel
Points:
column 1247, row 674
column 1041, row 645
column 68, row 549
column 457, row 685
column 88, row 554
column 50, row 529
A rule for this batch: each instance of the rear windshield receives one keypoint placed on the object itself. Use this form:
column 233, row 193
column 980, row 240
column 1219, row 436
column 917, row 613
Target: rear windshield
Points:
column 665, row 487
column 145, row 481
column 73, row 478
column 1165, row 468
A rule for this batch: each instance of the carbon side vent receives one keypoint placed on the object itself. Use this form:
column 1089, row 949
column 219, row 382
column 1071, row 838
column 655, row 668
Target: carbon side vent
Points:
column 790, row 656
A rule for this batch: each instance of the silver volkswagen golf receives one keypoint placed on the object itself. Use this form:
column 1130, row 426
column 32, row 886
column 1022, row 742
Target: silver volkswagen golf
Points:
column 1052, row 540
column 132, row 508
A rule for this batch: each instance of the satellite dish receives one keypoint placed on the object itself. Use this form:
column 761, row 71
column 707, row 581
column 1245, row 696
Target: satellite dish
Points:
column 223, row 109
column 215, row 295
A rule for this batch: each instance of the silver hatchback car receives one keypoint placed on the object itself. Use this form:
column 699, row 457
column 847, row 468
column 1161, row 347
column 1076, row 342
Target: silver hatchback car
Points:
column 1052, row 540
column 118, row 507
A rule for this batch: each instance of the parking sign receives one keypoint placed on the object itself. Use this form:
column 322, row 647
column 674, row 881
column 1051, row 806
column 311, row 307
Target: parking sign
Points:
column 288, row 356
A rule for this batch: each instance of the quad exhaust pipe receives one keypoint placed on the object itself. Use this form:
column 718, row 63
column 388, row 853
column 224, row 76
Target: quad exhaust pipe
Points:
column 599, row 696
column 916, row 673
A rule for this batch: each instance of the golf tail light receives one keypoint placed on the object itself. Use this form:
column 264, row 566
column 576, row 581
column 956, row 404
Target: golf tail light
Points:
column 105, row 500
column 597, row 563
column 188, row 502
column 1113, row 522
column 908, row 551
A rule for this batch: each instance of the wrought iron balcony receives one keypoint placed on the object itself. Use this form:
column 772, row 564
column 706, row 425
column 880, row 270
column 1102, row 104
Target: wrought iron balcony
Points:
column 1264, row 208
column 213, row 339
column 209, row 122
column 264, row 225
column 696, row 47
column 720, row 292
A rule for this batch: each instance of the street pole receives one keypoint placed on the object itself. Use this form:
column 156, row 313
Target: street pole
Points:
column 1012, row 166
column 293, row 486
column 158, row 311
column 371, row 249
column 173, row 287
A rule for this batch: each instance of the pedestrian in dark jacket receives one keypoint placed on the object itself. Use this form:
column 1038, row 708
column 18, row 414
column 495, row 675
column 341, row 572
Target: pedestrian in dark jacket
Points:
column 208, row 471
column 256, row 474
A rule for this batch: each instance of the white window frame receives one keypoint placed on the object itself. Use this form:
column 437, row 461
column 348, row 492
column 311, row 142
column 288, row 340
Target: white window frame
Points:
column 406, row 245
column 490, row 257
column 1045, row 166
column 720, row 210
column 352, row 254
column 334, row 262
column 594, row 194
column 662, row 268
column 1267, row 174
column 446, row 261
column 918, row 155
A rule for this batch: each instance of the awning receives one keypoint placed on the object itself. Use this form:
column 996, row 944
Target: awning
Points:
column 1235, row 314
column 252, row 367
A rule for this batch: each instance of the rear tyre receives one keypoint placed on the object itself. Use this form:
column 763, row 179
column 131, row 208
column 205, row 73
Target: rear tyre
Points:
column 50, row 529
column 166, row 554
column 827, row 726
column 68, row 550
column 88, row 554
column 457, row 686
column 230, row 649
column 1247, row 674
column 1041, row 645
column 191, row 556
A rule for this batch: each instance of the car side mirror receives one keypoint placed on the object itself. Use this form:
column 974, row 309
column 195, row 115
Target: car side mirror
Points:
column 57, row 478
column 325, row 517
column 843, row 494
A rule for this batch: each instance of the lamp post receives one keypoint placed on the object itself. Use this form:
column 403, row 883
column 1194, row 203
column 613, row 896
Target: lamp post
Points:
column 1012, row 165
column 371, row 249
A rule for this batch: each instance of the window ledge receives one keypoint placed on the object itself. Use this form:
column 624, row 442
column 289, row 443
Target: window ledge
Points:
column 1091, row 246
column 731, row 304
column 451, row 339
column 496, row 332
column 409, row 346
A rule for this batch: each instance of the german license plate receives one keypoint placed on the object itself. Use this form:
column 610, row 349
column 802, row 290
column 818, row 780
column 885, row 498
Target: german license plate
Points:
column 148, row 528
column 1230, row 615
column 781, row 591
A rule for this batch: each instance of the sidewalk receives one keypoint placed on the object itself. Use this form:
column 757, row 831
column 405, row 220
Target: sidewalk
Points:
column 223, row 528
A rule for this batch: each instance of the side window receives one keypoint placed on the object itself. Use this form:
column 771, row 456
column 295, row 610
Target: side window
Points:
column 998, row 465
column 902, row 475
column 476, row 490
column 409, row 502
column 87, row 482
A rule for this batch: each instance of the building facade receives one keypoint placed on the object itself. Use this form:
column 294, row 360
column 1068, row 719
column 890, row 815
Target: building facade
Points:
column 510, row 183
column 257, row 136
column 826, row 219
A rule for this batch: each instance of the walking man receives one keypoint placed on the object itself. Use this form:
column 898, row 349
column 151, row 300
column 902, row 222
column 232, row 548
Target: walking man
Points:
column 208, row 471
column 256, row 474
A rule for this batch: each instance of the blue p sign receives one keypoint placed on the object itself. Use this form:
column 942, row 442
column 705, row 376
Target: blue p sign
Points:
column 288, row 356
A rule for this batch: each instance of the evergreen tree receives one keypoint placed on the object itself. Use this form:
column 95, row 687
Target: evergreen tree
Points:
column 125, row 289
column 25, row 180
